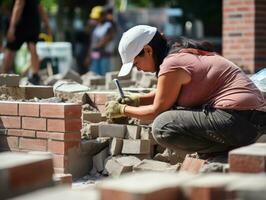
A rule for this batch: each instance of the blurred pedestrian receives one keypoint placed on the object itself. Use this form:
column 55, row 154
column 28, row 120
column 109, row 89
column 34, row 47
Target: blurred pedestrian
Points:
column 24, row 26
column 203, row 102
column 102, row 43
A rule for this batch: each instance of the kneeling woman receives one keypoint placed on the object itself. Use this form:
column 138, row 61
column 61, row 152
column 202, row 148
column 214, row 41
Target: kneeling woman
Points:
column 203, row 102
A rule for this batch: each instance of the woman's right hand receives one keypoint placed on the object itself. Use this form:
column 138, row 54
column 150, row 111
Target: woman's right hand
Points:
column 130, row 99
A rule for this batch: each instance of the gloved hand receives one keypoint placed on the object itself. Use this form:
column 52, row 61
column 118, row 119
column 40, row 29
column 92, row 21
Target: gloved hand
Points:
column 130, row 99
column 113, row 109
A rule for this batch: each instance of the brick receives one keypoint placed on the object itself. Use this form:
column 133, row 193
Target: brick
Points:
column 10, row 122
column 28, row 133
column 8, row 142
column 143, row 186
column 60, row 161
column 61, row 147
column 192, row 165
column 112, row 130
column 116, row 146
column 8, row 108
column 136, row 147
column 20, row 173
column 133, row 132
column 60, row 110
column 248, row 159
column 15, row 132
column 9, row 80
column 34, row 123
column 41, row 92
column 61, row 125
column 29, row 109
column 65, row 179
column 210, row 186
column 242, row 189
column 64, row 136
column 117, row 165
column 93, row 117
column 33, row 144
column 42, row 134
column 98, row 160
column 154, row 165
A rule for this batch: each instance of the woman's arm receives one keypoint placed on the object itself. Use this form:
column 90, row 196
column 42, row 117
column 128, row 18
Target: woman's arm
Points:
column 147, row 99
column 168, row 89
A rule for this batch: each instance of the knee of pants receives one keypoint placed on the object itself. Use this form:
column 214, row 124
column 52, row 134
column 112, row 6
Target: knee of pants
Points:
column 159, row 130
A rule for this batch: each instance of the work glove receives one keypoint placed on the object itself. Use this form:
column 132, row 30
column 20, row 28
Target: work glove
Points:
column 113, row 109
column 130, row 99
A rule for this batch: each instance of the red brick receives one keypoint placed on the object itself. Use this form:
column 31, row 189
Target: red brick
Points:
column 33, row 144
column 61, row 110
column 42, row 134
column 8, row 108
column 64, row 136
column 15, row 132
column 248, row 159
column 61, row 125
column 101, row 98
column 28, row 133
column 192, row 165
column 60, row 170
column 61, row 147
column 34, row 123
column 60, row 161
column 64, row 178
column 10, row 122
column 29, row 109
column 8, row 142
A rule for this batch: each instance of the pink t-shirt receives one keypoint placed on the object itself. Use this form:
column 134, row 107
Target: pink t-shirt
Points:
column 214, row 81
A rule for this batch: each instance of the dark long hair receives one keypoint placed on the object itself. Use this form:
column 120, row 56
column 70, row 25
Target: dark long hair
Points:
column 160, row 49
column 184, row 43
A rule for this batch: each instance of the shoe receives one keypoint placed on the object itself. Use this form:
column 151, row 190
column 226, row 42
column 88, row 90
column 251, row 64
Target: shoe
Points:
column 34, row 79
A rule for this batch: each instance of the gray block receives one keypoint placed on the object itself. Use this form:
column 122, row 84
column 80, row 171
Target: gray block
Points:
column 153, row 165
column 136, row 147
column 112, row 130
column 133, row 132
column 116, row 146
column 9, row 80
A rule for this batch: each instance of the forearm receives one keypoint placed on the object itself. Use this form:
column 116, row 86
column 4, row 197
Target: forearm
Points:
column 147, row 99
column 147, row 112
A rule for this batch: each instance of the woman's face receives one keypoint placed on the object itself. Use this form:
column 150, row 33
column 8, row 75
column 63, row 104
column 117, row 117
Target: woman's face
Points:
column 145, row 62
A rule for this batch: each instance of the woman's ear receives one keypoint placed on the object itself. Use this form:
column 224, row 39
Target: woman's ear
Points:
column 148, row 49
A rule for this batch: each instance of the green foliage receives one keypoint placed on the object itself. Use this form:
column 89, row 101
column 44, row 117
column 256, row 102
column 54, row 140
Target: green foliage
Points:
column 49, row 4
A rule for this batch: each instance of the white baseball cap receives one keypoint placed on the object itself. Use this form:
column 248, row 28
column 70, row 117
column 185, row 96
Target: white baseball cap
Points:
column 131, row 44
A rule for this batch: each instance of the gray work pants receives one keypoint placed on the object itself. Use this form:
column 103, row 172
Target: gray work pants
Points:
column 207, row 130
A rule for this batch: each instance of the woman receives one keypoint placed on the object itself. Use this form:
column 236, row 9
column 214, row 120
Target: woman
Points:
column 203, row 102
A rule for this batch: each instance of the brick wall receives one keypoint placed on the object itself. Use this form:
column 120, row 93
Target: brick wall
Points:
column 53, row 127
column 244, row 33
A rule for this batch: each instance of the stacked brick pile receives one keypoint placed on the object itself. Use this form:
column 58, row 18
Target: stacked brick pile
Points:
column 53, row 127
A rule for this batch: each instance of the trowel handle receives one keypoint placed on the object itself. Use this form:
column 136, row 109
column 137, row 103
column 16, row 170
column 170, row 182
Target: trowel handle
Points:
column 119, row 88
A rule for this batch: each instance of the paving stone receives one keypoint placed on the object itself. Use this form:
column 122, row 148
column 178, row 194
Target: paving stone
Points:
column 153, row 165
column 136, row 146
column 112, row 130
column 133, row 132
column 9, row 80
column 144, row 186
column 210, row 186
column 69, row 87
column 117, row 165
column 192, row 165
column 116, row 146
column 248, row 159
column 20, row 173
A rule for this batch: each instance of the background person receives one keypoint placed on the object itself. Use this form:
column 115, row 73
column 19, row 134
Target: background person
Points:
column 24, row 26
column 203, row 102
